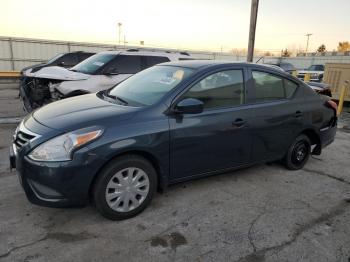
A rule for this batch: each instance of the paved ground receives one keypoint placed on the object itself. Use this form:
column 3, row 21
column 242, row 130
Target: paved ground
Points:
column 263, row 213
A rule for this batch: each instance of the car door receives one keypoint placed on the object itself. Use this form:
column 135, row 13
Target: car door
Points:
column 278, row 114
column 219, row 137
column 120, row 68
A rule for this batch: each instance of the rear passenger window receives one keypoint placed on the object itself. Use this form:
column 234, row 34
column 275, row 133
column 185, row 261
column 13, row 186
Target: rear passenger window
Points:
column 267, row 87
column 153, row 60
column 127, row 64
column 290, row 88
column 223, row 89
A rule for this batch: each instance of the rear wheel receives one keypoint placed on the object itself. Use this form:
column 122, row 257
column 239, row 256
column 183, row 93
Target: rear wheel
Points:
column 125, row 187
column 298, row 153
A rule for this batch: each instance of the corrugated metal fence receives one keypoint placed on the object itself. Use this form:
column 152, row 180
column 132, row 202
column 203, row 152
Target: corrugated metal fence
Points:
column 16, row 53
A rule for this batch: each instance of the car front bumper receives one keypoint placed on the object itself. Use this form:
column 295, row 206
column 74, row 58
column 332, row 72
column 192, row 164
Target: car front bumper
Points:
column 312, row 79
column 55, row 184
column 24, row 96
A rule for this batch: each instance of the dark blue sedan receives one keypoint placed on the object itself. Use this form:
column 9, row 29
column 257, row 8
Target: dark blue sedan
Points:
column 169, row 123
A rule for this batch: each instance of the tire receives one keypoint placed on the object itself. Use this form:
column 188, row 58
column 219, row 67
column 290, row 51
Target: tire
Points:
column 125, row 187
column 298, row 153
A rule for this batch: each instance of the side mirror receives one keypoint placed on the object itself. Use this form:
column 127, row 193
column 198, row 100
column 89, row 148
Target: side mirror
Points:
column 62, row 63
column 189, row 106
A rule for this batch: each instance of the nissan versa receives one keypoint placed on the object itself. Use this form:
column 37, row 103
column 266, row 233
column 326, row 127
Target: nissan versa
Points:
column 169, row 123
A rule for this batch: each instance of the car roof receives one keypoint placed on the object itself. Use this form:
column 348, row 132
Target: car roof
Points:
column 275, row 66
column 148, row 53
column 77, row 52
column 197, row 64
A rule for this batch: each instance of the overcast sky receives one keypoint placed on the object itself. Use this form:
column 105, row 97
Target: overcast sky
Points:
column 191, row 24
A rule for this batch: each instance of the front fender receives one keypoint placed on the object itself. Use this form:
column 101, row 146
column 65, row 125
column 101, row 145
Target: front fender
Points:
column 133, row 139
column 67, row 87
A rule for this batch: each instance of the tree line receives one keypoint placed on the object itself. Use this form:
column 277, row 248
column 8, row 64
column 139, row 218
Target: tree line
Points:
column 342, row 47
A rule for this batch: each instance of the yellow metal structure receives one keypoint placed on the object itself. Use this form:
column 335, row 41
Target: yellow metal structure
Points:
column 335, row 75
column 307, row 77
column 343, row 93
column 9, row 74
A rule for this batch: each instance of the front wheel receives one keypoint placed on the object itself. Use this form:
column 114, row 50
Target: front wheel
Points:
column 125, row 187
column 298, row 153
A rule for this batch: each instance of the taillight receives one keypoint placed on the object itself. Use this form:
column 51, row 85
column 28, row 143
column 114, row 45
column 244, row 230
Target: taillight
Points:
column 332, row 104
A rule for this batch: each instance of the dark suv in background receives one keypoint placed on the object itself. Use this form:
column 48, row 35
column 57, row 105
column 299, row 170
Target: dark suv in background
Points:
column 287, row 67
column 63, row 59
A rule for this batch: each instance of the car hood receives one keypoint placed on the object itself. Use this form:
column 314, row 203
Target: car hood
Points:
column 81, row 111
column 36, row 66
column 58, row 73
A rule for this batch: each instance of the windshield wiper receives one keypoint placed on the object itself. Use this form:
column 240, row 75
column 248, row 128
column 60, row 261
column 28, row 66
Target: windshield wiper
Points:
column 116, row 98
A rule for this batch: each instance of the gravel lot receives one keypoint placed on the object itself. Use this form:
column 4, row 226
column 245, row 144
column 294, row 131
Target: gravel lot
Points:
column 262, row 213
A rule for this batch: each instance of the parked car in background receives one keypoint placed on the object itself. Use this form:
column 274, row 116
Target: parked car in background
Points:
column 320, row 88
column 287, row 67
column 99, row 72
column 316, row 73
column 63, row 59
column 169, row 123
column 275, row 67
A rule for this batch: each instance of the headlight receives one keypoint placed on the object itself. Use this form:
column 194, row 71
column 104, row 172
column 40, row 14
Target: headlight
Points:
column 53, row 86
column 17, row 128
column 60, row 148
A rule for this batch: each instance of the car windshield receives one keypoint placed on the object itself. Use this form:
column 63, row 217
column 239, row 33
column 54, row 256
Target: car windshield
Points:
column 55, row 58
column 316, row 68
column 93, row 63
column 149, row 86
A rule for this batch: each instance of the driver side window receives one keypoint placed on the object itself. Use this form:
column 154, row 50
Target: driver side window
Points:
column 219, row 90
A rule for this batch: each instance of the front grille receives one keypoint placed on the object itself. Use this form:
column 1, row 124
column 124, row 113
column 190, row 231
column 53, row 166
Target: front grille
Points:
column 22, row 138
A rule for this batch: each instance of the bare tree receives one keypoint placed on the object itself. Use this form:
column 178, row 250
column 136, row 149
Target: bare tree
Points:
column 285, row 53
column 268, row 53
column 321, row 49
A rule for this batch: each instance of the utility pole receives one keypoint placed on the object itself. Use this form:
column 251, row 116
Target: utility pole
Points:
column 119, row 32
column 252, row 28
column 307, row 41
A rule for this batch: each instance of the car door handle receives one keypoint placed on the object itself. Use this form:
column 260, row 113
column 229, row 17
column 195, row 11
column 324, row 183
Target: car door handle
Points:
column 238, row 123
column 298, row 114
